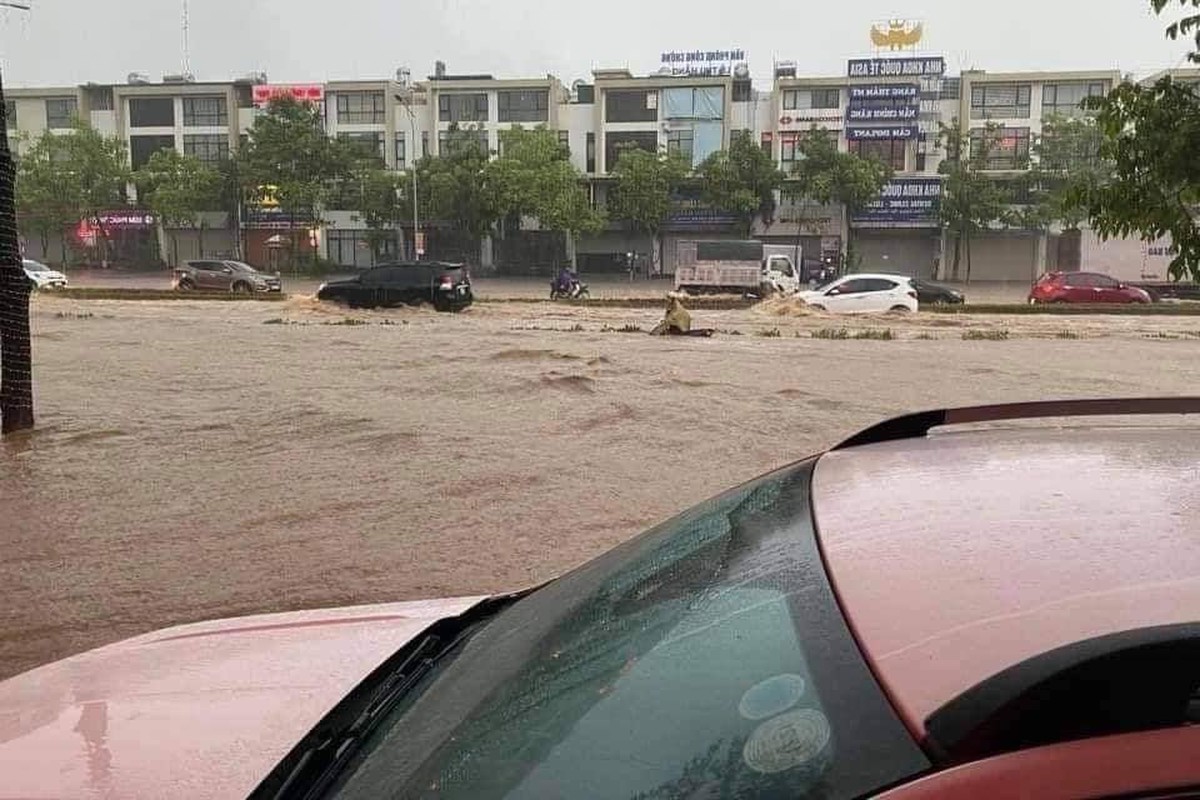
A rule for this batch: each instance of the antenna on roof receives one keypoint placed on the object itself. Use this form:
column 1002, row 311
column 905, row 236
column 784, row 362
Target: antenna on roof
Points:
column 187, row 55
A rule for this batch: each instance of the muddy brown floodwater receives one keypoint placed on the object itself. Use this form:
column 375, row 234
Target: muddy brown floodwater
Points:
column 193, row 461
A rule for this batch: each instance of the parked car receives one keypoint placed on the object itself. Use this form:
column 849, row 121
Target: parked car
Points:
column 42, row 276
column 1085, row 287
column 983, row 642
column 937, row 294
column 224, row 276
column 864, row 294
column 446, row 286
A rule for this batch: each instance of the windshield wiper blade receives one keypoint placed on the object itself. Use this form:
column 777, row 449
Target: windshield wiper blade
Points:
column 309, row 769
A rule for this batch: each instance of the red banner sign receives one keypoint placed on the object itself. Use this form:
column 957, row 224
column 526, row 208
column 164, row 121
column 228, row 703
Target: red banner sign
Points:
column 304, row 93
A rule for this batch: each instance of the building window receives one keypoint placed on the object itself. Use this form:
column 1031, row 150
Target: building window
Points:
column 205, row 112
column 61, row 112
column 1066, row 99
column 424, row 144
column 698, row 103
column 401, row 151
column 680, row 142
column 564, row 141
column 142, row 147
column 152, row 112
column 210, row 148
column 365, row 144
column 631, row 105
column 743, row 91
column 826, row 98
column 801, row 99
column 889, row 152
column 531, row 105
column 10, row 114
column 463, row 107
column 591, row 153
column 361, row 108
column 1002, row 148
column 765, row 142
column 789, row 146
column 1000, row 101
column 614, row 143
column 449, row 140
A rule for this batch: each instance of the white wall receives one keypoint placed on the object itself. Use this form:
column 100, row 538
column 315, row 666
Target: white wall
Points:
column 1126, row 259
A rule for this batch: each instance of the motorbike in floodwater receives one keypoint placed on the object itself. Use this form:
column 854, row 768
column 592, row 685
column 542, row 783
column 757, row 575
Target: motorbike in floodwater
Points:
column 573, row 290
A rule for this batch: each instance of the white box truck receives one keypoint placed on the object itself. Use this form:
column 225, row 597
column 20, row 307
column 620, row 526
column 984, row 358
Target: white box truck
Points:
column 736, row 267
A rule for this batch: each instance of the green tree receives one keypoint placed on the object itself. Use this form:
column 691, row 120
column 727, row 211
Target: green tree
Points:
column 378, row 198
column 289, row 158
column 742, row 180
column 1067, row 161
column 534, row 177
column 828, row 176
column 72, row 177
column 177, row 189
column 43, row 210
column 453, row 186
column 972, row 201
column 642, row 193
column 1150, row 135
column 1187, row 25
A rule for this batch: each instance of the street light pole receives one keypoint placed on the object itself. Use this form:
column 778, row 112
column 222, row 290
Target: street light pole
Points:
column 412, row 119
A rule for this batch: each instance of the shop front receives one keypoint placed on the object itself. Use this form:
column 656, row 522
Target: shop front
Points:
column 900, row 232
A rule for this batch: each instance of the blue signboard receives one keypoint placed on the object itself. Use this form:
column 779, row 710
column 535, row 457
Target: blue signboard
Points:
column 856, row 133
column 893, row 114
column 688, row 210
column 905, row 200
column 897, row 67
column 866, row 94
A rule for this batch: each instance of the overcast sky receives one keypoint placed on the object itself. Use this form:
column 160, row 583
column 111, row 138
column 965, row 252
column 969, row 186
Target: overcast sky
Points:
column 65, row 42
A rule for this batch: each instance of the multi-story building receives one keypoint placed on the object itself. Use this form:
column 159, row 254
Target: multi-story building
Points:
column 871, row 111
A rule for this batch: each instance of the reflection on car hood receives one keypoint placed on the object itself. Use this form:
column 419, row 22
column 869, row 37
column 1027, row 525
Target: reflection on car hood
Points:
column 197, row 711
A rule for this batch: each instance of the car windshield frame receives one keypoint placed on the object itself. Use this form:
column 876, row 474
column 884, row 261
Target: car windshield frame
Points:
column 35, row 266
column 752, row 551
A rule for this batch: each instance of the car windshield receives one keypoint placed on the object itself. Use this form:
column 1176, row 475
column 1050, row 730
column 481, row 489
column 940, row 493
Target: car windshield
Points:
column 34, row 266
column 238, row 266
column 717, row 632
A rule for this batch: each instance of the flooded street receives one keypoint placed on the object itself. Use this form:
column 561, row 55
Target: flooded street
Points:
column 203, row 459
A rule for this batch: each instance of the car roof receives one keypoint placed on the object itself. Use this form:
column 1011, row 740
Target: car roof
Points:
column 885, row 275
column 959, row 555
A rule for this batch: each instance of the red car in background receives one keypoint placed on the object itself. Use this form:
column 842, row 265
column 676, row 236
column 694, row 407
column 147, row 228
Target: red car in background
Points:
column 1085, row 287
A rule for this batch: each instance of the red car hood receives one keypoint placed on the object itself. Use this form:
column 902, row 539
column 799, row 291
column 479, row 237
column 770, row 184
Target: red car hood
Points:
column 197, row 711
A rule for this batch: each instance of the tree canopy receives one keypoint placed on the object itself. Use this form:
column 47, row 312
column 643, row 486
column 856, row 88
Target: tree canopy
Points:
column 453, row 185
column 826, row 175
column 177, row 188
column 1151, row 134
column 971, row 200
column 288, row 156
column 534, row 177
column 742, row 180
column 64, row 178
column 644, row 185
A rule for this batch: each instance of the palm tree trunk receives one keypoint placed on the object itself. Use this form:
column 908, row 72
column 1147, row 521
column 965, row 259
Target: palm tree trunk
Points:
column 16, row 357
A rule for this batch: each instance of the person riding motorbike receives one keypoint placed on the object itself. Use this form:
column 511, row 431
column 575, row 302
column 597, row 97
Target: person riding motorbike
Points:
column 566, row 284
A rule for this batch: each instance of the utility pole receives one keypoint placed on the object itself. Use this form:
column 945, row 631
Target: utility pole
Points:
column 406, row 101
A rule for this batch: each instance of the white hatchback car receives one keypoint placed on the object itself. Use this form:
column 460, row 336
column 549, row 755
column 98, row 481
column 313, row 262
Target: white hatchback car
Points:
column 864, row 294
column 42, row 276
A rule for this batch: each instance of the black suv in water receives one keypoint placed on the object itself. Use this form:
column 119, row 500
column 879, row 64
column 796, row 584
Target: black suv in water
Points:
column 446, row 286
